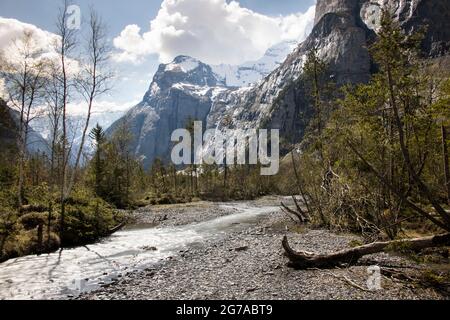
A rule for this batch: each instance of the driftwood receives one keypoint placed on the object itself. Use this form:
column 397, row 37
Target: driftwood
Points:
column 301, row 215
column 305, row 260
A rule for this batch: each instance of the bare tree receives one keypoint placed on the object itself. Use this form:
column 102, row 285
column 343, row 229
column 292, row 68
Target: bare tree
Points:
column 94, row 79
column 23, row 76
column 53, row 99
column 65, row 46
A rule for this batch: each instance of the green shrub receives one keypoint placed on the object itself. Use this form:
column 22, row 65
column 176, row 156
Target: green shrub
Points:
column 87, row 219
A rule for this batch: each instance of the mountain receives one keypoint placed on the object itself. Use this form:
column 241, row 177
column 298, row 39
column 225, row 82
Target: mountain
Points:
column 76, row 123
column 188, row 89
column 412, row 15
column 249, row 73
column 343, row 31
column 280, row 100
column 181, row 90
column 9, row 130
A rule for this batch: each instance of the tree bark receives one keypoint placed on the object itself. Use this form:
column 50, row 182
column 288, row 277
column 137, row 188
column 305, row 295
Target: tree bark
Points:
column 304, row 260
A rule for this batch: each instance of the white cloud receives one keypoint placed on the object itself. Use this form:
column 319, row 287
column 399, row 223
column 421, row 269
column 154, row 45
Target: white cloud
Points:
column 210, row 30
column 43, row 43
column 11, row 29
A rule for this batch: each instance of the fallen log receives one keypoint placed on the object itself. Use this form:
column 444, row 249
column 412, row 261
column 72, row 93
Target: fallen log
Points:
column 305, row 260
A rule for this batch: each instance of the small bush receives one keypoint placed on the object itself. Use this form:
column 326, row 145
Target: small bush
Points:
column 87, row 219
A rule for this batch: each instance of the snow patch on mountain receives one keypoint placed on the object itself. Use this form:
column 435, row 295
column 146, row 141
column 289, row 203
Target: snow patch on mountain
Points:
column 251, row 72
column 182, row 64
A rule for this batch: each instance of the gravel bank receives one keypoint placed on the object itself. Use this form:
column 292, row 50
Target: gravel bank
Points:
column 178, row 214
column 249, row 264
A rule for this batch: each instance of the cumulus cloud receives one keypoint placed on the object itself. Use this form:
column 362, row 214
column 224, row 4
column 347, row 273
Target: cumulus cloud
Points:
column 43, row 43
column 213, row 31
column 12, row 30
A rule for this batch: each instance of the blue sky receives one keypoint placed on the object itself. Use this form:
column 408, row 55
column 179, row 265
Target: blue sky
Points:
column 208, row 33
column 120, row 13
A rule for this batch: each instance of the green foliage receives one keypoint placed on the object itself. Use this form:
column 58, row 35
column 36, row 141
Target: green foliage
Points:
column 352, row 167
column 206, row 182
column 114, row 171
column 32, row 220
column 88, row 218
column 438, row 279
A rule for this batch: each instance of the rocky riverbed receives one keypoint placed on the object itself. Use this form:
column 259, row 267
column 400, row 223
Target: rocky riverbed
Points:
column 247, row 262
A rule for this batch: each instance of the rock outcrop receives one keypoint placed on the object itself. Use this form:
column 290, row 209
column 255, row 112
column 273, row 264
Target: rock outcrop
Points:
column 412, row 15
column 281, row 101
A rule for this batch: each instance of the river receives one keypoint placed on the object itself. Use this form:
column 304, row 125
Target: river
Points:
column 69, row 272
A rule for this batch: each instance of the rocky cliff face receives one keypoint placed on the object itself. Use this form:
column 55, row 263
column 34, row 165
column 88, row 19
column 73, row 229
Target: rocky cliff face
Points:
column 412, row 14
column 280, row 100
column 181, row 90
column 187, row 89
column 334, row 6
column 342, row 33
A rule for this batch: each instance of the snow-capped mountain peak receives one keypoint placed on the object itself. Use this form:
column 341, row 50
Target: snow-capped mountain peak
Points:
column 251, row 72
column 183, row 64
column 184, row 69
column 187, row 88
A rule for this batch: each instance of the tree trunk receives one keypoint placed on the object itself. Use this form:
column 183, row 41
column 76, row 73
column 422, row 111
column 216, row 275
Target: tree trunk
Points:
column 40, row 237
column 300, row 214
column 2, row 244
column 407, row 158
column 445, row 160
column 398, row 193
column 304, row 260
column 49, row 223
column 299, row 183
column 301, row 219
column 225, row 177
